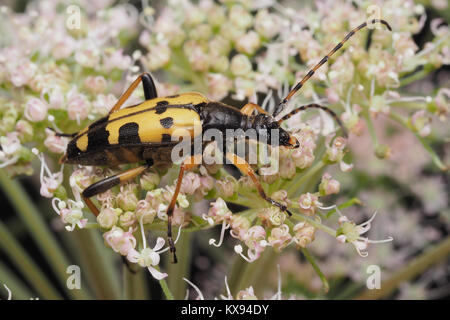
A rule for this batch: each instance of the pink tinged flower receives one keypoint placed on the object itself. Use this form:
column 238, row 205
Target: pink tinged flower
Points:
column 95, row 85
column 120, row 241
column 308, row 203
column 71, row 213
column 80, row 179
column 226, row 187
column 303, row 234
column 10, row 149
column 88, row 55
column 35, row 110
column 247, row 294
column 150, row 180
column 272, row 216
column 239, row 226
column 279, row 237
column 255, row 239
column 335, row 151
column 267, row 24
column 63, row 48
column 241, row 65
column 53, row 97
column 287, row 168
column 104, row 103
column 328, row 185
column 378, row 105
column 54, row 143
column 219, row 86
column 127, row 219
column 49, row 181
column 248, row 43
column 21, row 72
column 442, row 101
column 353, row 122
column 149, row 257
column 126, row 199
column 145, row 212
column 24, row 129
column 421, row 121
column 158, row 57
column 218, row 212
column 206, row 185
column 116, row 59
column 108, row 217
column 332, row 95
column 350, row 232
column 78, row 106
column 190, row 183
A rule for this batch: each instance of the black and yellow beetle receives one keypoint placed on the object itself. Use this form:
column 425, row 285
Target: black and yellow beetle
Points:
column 143, row 133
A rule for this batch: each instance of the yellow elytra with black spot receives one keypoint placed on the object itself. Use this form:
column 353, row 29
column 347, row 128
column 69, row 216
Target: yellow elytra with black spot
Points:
column 137, row 133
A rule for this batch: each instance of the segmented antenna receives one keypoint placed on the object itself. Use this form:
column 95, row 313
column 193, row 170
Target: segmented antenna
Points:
column 297, row 87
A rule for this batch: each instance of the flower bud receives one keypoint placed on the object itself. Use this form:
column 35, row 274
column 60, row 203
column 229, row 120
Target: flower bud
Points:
column 108, row 217
column 35, row 110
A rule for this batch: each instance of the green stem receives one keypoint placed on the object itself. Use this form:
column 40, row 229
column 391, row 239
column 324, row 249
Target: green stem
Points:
column 165, row 287
column 430, row 257
column 312, row 261
column 18, row 289
column 40, row 232
column 134, row 287
column 371, row 128
column 99, row 264
column 26, row 265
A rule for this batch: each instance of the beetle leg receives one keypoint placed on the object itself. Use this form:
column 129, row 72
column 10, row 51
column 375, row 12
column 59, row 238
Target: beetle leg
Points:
column 149, row 90
column 108, row 183
column 246, row 169
column 149, row 86
column 187, row 164
column 250, row 107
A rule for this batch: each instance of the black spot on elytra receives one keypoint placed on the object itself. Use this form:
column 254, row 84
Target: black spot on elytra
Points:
column 162, row 103
column 166, row 137
column 129, row 133
column 166, row 122
column 160, row 108
column 98, row 135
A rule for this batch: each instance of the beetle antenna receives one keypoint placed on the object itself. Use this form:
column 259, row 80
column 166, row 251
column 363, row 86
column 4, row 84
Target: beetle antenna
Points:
column 297, row 87
column 59, row 134
column 316, row 106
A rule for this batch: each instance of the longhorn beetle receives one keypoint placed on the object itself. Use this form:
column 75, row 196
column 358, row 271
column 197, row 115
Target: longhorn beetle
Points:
column 143, row 133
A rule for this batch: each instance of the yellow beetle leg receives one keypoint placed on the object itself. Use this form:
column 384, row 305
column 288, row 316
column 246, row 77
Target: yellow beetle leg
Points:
column 187, row 164
column 250, row 107
column 247, row 170
column 149, row 90
column 108, row 183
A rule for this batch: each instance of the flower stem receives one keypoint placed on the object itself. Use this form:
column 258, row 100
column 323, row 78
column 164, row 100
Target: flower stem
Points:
column 99, row 264
column 26, row 265
column 312, row 261
column 44, row 238
column 18, row 289
column 165, row 287
column 134, row 287
column 430, row 257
